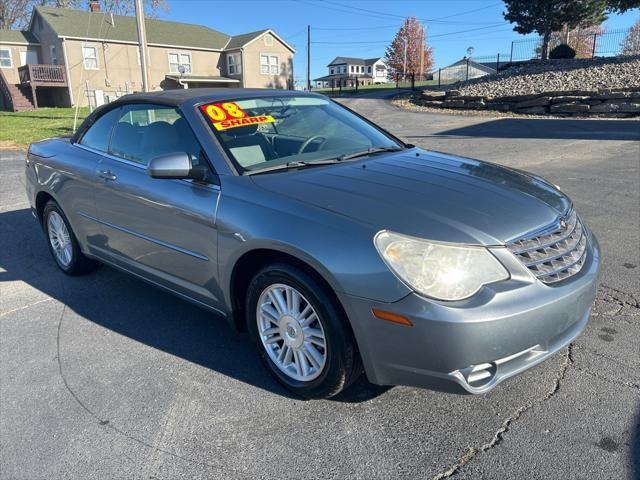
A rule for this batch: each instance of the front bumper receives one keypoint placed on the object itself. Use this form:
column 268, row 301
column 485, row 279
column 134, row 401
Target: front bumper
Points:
column 475, row 344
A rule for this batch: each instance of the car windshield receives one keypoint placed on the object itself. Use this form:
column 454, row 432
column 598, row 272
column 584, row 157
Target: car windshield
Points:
column 264, row 133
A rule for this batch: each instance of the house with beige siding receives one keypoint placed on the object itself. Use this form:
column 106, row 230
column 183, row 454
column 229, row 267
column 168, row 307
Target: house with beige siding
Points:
column 68, row 57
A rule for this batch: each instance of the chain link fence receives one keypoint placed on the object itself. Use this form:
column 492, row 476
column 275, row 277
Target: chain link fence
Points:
column 614, row 43
column 587, row 45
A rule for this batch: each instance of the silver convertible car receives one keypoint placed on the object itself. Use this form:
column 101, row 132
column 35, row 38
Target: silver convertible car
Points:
column 337, row 246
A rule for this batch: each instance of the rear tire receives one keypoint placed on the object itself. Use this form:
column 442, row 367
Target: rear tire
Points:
column 301, row 334
column 62, row 242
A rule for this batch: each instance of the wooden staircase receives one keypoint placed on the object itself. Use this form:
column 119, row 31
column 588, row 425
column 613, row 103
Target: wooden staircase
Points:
column 14, row 99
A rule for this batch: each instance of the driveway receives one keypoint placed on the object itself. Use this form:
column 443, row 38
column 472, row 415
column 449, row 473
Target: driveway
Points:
column 106, row 377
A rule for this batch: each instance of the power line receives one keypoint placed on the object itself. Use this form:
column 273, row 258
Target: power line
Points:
column 379, row 14
column 357, row 28
column 429, row 38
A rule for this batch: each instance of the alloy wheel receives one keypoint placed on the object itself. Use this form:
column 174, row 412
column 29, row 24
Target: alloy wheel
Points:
column 60, row 239
column 291, row 332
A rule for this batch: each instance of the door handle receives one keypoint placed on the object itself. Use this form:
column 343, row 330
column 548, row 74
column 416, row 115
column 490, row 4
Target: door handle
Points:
column 107, row 175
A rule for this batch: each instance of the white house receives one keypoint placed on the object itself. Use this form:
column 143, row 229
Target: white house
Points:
column 346, row 71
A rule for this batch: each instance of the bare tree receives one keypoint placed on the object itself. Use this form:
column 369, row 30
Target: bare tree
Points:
column 127, row 7
column 15, row 14
column 631, row 43
column 408, row 52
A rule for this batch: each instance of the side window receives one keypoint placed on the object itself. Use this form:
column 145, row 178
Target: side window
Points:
column 98, row 134
column 143, row 132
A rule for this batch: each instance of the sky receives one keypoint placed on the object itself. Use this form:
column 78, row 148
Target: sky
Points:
column 364, row 28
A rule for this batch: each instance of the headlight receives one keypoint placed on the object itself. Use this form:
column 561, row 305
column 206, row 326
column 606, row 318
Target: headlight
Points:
column 439, row 270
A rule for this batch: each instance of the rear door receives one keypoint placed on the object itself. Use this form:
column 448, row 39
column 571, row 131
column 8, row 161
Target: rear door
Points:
column 162, row 229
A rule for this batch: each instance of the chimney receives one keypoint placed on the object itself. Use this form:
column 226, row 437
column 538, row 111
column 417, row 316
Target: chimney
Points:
column 94, row 6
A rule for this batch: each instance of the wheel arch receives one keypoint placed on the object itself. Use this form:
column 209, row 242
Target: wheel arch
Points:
column 42, row 197
column 251, row 261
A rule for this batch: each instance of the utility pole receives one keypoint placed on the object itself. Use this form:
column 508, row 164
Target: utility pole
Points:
column 308, row 57
column 404, row 69
column 142, row 44
column 422, row 52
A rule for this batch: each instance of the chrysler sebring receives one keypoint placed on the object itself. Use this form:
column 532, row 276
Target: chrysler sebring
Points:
column 337, row 246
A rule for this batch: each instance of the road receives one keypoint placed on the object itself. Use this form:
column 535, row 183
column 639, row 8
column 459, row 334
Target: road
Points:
column 106, row 377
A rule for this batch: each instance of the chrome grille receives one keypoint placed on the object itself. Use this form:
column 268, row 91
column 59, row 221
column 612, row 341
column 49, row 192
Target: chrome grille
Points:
column 555, row 254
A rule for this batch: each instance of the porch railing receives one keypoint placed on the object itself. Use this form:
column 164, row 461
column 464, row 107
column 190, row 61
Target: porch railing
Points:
column 44, row 75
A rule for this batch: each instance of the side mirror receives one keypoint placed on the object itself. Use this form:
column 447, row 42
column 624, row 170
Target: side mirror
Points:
column 175, row 165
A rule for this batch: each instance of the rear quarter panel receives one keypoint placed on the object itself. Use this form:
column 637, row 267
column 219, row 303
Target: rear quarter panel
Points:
column 66, row 173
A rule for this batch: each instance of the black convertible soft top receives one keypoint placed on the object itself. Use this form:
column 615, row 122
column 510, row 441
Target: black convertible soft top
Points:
column 179, row 97
column 185, row 97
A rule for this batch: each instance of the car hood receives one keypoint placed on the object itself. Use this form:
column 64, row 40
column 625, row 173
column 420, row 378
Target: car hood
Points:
column 429, row 195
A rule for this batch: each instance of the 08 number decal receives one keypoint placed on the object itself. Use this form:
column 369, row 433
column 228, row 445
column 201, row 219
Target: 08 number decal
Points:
column 218, row 112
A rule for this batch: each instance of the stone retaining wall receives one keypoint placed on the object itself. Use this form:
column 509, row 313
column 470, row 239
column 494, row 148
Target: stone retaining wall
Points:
column 610, row 102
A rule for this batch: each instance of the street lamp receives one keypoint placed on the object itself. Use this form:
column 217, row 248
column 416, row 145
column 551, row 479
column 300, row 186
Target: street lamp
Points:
column 181, row 71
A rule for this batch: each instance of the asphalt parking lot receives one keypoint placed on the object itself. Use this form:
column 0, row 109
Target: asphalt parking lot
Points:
column 104, row 376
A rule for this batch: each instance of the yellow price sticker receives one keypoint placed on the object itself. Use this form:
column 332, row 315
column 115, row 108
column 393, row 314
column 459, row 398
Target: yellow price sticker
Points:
column 243, row 122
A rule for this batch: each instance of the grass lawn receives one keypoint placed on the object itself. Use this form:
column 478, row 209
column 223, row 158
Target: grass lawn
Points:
column 19, row 129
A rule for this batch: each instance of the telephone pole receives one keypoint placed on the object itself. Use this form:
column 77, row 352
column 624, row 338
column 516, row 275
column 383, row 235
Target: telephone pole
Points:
column 422, row 52
column 404, row 69
column 308, row 58
column 142, row 44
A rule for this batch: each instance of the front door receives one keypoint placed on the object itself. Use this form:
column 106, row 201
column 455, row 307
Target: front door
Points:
column 162, row 229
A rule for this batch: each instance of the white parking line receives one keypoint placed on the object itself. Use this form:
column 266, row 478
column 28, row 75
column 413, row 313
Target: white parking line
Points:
column 3, row 314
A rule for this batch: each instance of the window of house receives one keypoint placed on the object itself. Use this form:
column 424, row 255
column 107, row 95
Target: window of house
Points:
column 344, row 69
column 179, row 59
column 269, row 65
column 268, row 40
column 234, row 66
column 351, row 68
column 333, row 70
column 90, row 57
column 369, row 69
column 54, row 55
column 5, row 58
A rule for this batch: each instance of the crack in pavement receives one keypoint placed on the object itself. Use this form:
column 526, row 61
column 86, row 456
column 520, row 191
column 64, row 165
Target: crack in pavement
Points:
column 623, row 302
column 611, row 380
column 596, row 353
column 107, row 424
column 498, row 436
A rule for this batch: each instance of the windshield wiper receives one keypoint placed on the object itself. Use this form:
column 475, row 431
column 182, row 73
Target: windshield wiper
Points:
column 368, row 151
column 292, row 164
column 326, row 161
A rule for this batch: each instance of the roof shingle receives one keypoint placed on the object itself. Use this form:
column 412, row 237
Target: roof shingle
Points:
column 84, row 24
column 18, row 36
column 353, row 61
column 238, row 41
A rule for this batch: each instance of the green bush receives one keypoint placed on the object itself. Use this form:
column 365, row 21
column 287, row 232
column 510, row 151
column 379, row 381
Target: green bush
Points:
column 562, row 51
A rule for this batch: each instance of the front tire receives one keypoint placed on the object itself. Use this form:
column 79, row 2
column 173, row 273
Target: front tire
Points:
column 301, row 334
column 62, row 242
